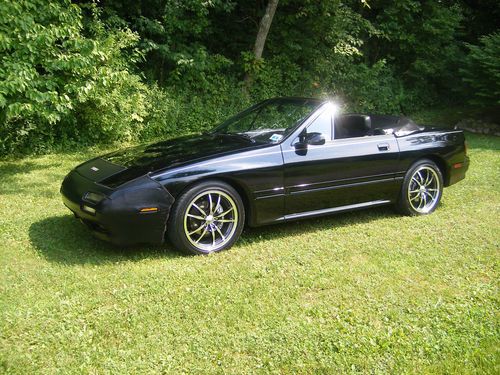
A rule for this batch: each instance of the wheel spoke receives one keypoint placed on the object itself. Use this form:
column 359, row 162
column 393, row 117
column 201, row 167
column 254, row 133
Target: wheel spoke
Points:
column 420, row 178
column 429, row 181
column 222, row 236
column 225, row 213
column 428, row 178
column 213, row 238
column 226, row 221
column 197, row 229
column 210, row 204
column 217, row 204
column 199, row 238
column 414, row 179
column 196, row 217
column 415, row 197
column 199, row 209
column 432, row 197
column 420, row 205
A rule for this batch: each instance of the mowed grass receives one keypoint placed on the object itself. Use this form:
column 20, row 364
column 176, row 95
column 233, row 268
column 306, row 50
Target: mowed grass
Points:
column 363, row 292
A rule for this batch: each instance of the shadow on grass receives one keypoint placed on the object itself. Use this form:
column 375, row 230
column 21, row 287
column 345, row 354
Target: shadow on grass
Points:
column 318, row 224
column 63, row 239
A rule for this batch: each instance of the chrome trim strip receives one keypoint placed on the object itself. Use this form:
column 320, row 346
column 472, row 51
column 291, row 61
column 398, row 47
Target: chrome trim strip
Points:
column 333, row 187
column 336, row 209
column 269, row 196
column 348, row 179
column 269, row 190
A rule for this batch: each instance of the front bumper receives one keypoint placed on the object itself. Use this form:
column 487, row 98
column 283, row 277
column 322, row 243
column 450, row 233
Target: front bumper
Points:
column 118, row 218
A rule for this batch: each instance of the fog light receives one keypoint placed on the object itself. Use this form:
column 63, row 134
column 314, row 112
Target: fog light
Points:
column 88, row 209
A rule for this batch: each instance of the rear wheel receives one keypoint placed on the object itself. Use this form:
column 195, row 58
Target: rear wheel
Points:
column 209, row 217
column 422, row 189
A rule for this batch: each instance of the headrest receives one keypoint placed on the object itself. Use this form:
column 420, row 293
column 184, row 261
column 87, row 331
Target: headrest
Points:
column 354, row 122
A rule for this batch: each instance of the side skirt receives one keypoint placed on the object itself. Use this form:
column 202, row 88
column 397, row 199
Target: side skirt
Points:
column 327, row 211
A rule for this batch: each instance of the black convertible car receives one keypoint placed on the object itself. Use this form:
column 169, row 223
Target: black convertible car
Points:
column 282, row 159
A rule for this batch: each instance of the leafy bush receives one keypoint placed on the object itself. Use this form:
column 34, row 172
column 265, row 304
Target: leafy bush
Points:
column 76, row 73
column 482, row 70
column 61, row 83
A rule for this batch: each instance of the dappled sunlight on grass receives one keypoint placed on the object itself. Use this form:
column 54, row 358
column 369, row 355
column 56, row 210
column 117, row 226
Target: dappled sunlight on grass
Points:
column 366, row 291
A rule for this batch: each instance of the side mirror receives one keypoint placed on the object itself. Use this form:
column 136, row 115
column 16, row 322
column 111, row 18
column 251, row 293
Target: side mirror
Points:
column 306, row 139
column 315, row 139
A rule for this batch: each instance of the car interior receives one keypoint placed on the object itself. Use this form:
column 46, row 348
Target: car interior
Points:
column 354, row 125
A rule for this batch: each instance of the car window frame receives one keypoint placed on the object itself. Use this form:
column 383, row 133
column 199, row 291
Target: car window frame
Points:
column 327, row 110
column 294, row 136
column 290, row 135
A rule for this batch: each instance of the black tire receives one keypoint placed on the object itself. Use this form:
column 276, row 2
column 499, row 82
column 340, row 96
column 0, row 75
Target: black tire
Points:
column 211, row 213
column 422, row 189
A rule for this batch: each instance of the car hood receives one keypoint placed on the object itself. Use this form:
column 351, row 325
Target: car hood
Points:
column 122, row 166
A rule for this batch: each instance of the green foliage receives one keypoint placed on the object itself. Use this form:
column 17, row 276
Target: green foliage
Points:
column 366, row 88
column 482, row 70
column 172, row 32
column 75, row 74
column 419, row 40
column 59, row 81
column 251, row 65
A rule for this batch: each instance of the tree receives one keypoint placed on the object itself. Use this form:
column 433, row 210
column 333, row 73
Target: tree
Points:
column 62, row 77
column 482, row 70
column 260, row 40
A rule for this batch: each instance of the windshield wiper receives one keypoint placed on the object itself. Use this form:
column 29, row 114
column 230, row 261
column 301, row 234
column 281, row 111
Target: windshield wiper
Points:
column 245, row 137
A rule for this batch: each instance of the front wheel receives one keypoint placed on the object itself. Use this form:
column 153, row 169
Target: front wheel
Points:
column 208, row 217
column 422, row 189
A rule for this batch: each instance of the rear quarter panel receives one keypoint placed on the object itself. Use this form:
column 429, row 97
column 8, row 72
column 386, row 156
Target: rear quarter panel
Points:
column 446, row 148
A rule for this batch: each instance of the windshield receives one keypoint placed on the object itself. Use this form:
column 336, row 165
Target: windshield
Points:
column 269, row 121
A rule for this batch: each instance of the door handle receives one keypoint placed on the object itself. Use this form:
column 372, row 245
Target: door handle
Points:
column 383, row 146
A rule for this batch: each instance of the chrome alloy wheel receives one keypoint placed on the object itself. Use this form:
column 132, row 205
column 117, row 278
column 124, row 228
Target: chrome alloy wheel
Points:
column 210, row 220
column 424, row 190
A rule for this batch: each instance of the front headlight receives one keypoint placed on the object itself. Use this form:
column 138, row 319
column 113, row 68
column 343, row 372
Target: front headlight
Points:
column 92, row 197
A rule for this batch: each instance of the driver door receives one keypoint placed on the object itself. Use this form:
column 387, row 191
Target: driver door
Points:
column 341, row 173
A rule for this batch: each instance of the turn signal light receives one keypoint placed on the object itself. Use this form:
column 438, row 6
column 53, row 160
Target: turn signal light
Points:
column 149, row 209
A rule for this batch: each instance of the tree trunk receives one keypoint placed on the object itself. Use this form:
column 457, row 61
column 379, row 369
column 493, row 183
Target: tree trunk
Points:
column 265, row 24
column 260, row 41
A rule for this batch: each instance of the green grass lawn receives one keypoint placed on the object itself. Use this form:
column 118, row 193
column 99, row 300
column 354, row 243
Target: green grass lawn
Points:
column 368, row 292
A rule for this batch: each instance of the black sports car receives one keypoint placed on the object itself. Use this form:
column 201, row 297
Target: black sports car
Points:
column 282, row 159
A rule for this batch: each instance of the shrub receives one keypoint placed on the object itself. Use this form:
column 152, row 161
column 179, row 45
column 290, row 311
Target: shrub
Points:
column 482, row 70
column 61, row 82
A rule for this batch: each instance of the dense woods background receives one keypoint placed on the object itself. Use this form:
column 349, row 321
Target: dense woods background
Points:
column 80, row 73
